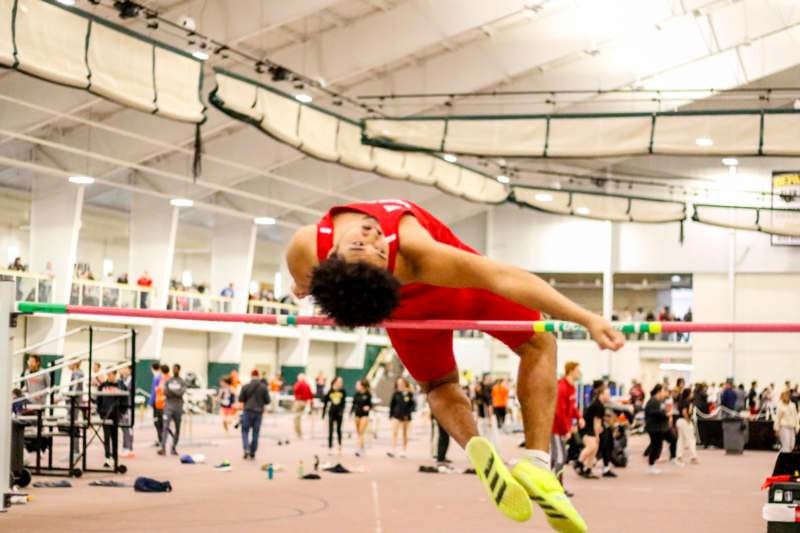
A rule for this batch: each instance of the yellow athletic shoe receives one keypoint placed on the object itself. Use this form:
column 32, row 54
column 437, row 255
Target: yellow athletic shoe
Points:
column 507, row 494
column 544, row 489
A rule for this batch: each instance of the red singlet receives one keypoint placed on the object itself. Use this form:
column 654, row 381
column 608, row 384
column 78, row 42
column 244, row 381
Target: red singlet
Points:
column 428, row 355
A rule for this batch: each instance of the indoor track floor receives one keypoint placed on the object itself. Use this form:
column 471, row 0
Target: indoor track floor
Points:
column 719, row 495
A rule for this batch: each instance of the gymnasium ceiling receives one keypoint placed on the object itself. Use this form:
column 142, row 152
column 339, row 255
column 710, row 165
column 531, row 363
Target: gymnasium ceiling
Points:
column 372, row 47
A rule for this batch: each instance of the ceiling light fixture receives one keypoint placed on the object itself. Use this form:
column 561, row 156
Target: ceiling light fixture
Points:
column 681, row 367
column 304, row 98
column 675, row 278
column 265, row 221
column 544, row 197
column 450, row 158
column 81, row 180
column 704, row 141
column 66, row 2
column 181, row 202
column 199, row 54
column 730, row 161
column 503, row 179
column 582, row 210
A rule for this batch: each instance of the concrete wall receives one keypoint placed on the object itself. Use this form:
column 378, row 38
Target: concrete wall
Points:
column 541, row 242
column 258, row 352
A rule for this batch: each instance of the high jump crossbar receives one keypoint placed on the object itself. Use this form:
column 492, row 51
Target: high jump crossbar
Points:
column 482, row 325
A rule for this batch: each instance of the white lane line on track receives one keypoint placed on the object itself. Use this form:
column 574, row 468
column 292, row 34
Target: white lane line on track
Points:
column 375, row 500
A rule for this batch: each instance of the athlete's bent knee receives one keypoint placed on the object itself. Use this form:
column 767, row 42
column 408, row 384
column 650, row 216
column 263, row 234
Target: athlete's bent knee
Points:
column 428, row 386
column 541, row 343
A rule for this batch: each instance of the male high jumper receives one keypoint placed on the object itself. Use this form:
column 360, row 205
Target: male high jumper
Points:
column 367, row 262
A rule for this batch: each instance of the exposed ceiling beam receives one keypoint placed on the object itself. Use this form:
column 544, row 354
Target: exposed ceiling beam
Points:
column 56, row 173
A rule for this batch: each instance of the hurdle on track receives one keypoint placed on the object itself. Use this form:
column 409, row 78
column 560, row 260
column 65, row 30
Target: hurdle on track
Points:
column 483, row 325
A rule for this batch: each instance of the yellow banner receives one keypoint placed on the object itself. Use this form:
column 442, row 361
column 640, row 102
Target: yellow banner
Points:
column 785, row 180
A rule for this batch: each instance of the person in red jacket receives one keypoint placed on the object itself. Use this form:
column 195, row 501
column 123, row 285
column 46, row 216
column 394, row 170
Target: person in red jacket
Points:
column 566, row 412
column 302, row 396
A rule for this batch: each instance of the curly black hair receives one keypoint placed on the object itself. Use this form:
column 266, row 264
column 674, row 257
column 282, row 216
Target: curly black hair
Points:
column 354, row 294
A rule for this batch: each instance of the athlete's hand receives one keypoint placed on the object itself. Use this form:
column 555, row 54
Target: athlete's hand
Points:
column 606, row 337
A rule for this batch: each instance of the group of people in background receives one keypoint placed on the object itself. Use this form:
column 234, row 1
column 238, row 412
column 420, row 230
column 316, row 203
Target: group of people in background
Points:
column 166, row 399
column 110, row 388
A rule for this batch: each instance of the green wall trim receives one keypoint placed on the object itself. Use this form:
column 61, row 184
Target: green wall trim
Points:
column 217, row 371
column 350, row 376
column 290, row 373
column 144, row 377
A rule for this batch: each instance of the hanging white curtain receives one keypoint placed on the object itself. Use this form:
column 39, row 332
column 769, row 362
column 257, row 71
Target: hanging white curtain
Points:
column 178, row 80
column 6, row 33
column 121, row 68
column 51, row 43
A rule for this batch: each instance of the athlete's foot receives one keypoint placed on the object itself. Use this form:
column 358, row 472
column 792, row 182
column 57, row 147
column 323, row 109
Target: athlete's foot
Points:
column 507, row 494
column 544, row 488
column 390, row 454
column 609, row 473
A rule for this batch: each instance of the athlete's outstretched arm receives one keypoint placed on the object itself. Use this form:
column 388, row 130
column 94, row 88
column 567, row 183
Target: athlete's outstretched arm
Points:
column 435, row 263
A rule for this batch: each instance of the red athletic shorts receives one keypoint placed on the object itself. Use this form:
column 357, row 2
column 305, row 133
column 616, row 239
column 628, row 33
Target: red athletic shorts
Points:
column 428, row 355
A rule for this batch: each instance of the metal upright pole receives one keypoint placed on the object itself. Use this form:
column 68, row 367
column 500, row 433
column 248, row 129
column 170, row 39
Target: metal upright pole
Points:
column 91, row 378
column 132, row 409
column 7, row 299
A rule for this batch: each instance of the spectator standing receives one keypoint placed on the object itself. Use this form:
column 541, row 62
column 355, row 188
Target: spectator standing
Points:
column 110, row 409
column 636, row 396
column 158, row 413
column 254, row 397
column 146, row 282
column 302, row 395
column 362, row 407
column 97, row 375
column 728, row 396
column 36, row 385
column 17, row 265
column 76, row 387
column 228, row 291
column 126, row 416
column 319, row 386
column 334, row 405
column 713, row 396
column 483, row 404
column 656, row 423
column 741, row 398
column 787, row 422
column 752, row 398
column 500, row 401
column 227, row 402
column 700, row 398
column 565, row 415
column 593, row 427
column 400, row 409
column 442, row 444
column 174, row 389
column 275, row 387
column 687, row 442
column 686, row 318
